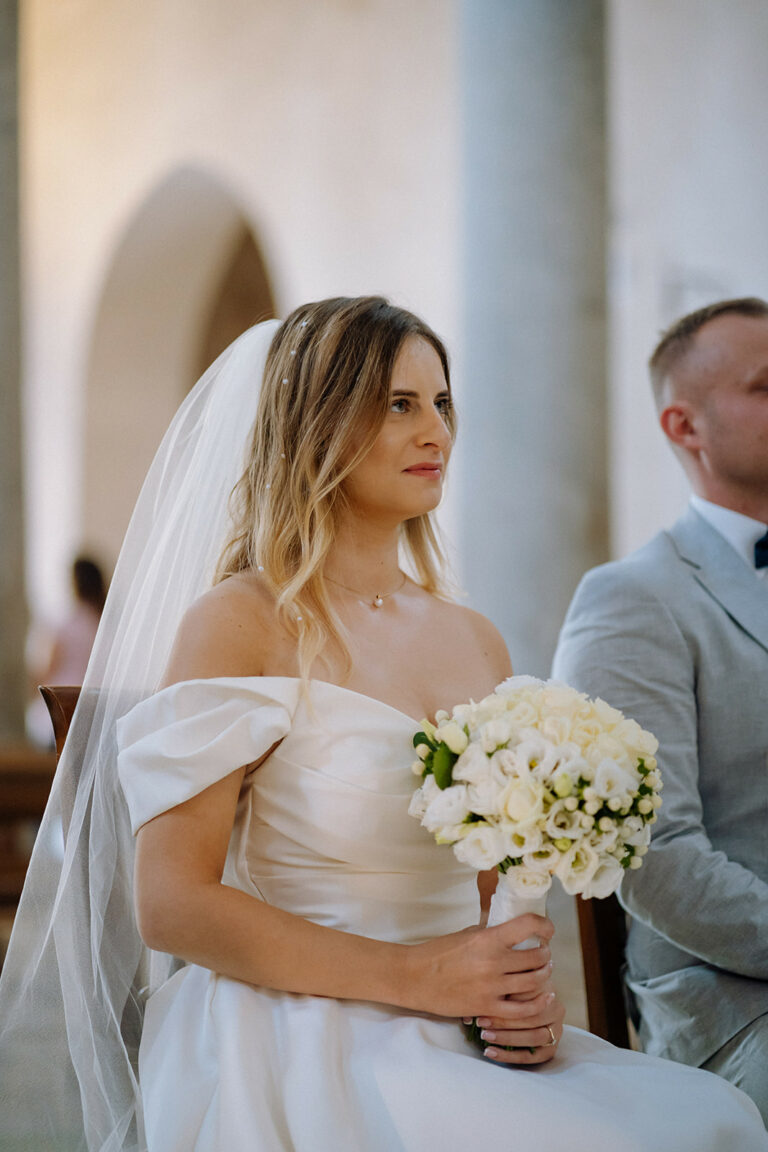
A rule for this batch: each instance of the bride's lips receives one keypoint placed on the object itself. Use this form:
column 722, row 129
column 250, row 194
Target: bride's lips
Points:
column 431, row 470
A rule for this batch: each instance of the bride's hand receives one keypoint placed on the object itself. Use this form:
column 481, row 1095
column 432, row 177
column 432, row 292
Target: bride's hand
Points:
column 532, row 1028
column 471, row 973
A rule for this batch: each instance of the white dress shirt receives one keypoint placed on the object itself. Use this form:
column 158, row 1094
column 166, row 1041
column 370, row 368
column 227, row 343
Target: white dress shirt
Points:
column 741, row 532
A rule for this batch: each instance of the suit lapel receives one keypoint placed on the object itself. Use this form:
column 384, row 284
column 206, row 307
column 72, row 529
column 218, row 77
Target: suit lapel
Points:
column 723, row 574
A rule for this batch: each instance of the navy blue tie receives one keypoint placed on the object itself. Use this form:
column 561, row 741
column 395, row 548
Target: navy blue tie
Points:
column 761, row 552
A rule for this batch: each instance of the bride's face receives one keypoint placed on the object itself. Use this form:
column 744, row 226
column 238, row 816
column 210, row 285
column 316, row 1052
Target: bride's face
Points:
column 402, row 474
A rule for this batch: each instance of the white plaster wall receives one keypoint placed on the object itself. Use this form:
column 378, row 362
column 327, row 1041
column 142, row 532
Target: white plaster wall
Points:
column 333, row 124
column 688, row 91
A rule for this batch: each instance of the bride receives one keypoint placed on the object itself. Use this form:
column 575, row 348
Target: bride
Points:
column 308, row 951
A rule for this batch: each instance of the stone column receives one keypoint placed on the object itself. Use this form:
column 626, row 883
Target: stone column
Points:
column 13, row 617
column 533, row 403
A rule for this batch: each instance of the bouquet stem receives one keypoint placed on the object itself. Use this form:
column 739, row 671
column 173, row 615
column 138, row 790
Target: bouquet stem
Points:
column 506, row 904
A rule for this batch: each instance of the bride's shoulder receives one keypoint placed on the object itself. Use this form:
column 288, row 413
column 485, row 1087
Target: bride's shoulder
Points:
column 226, row 632
column 470, row 630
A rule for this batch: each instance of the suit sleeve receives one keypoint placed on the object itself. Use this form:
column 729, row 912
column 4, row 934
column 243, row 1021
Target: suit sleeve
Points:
column 622, row 643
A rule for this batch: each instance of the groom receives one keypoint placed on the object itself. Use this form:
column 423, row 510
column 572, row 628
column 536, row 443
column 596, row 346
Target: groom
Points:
column 676, row 635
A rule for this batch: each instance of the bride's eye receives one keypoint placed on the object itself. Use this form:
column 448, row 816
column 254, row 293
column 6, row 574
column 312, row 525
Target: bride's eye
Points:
column 398, row 404
column 444, row 405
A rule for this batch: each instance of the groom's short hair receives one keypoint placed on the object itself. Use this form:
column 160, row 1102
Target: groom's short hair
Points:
column 678, row 338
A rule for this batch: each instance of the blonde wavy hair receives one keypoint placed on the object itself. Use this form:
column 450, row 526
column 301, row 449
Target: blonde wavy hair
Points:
column 323, row 401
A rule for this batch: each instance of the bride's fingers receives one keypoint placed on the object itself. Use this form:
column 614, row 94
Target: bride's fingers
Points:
column 523, row 983
column 538, row 1051
column 522, row 1013
column 526, row 959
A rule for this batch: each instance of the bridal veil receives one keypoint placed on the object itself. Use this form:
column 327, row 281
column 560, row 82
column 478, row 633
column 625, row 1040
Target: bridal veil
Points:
column 77, row 974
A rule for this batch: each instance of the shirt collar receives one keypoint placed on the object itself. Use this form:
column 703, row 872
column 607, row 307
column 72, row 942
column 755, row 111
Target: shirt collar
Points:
column 741, row 532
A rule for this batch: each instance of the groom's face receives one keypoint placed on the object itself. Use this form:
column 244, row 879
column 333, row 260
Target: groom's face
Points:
column 728, row 373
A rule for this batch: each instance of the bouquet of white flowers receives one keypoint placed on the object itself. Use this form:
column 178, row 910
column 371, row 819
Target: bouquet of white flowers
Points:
column 537, row 780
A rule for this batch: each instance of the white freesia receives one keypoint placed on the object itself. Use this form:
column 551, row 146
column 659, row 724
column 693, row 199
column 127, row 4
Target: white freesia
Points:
column 481, row 848
column 453, row 735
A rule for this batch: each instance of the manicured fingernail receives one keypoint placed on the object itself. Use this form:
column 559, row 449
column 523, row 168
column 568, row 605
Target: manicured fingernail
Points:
column 491, row 1052
column 549, row 997
column 550, row 965
column 486, row 1035
column 466, row 1020
column 483, row 1022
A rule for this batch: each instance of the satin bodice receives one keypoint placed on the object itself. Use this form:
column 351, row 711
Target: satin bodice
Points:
column 322, row 827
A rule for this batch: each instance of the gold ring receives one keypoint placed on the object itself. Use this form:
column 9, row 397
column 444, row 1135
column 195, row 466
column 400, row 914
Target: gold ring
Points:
column 553, row 1041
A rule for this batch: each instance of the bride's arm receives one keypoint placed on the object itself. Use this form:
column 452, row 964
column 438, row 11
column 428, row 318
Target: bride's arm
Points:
column 183, row 908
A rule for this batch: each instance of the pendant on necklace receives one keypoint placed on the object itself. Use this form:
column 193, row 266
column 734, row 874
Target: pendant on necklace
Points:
column 378, row 602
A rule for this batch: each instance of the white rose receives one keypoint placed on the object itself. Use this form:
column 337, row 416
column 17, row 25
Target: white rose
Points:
column 482, row 847
column 605, row 879
column 576, row 867
column 609, row 717
column 514, row 684
column 606, row 748
column 522, row 801
column 447, row 807
column 522, row 714
column 559, row 698
column 495, row 734
column 556, row 729
column 637, row 740
column 585, row 732
column 506, row 765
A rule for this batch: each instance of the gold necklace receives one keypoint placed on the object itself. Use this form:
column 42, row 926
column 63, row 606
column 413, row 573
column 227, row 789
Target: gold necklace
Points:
column 378, row 599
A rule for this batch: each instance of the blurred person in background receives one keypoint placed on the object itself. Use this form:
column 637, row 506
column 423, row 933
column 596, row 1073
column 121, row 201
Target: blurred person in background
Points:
column 69, row 646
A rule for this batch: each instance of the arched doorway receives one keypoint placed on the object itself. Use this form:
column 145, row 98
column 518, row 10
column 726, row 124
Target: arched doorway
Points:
column 186, row 277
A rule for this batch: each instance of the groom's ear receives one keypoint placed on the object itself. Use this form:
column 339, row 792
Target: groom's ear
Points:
column 680, row 425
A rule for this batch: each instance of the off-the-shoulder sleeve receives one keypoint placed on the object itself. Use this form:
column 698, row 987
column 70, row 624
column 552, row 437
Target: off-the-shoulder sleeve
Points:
column 186, row 737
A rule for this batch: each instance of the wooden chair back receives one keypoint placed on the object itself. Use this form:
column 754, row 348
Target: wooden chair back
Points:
column 603, row 932
column 26, row 775
column 61, row 704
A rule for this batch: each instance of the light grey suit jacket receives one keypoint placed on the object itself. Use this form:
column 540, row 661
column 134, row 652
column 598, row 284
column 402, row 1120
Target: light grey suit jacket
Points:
column 676, row 635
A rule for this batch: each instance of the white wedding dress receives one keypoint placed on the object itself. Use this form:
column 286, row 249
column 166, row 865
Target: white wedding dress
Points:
column 322, row 831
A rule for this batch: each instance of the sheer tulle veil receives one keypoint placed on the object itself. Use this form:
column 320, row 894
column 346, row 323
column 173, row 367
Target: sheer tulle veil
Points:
column 77, row 974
